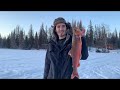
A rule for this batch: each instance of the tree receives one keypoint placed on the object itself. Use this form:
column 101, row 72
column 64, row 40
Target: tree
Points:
column 26, row 42
column 21, row 39
column 12, row 40
column 109, row 40
column 113, row 41
column 41, row 36
column 3, row 44
column 31, row 37
column 17, row 32
column 116, row 38
column 90, row 35
column 50, row 33
column 45, row 35
column 36, row 41
column 104, row 37
column 8, row 42
column 87, row 38
column 95, row 36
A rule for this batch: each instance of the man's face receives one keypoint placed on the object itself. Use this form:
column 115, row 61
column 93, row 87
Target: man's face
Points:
column 61, row 29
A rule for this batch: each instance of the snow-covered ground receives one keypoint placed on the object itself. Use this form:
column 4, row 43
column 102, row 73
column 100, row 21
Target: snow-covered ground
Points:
column 29, row 64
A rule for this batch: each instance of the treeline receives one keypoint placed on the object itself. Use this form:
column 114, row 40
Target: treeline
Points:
column 17, row 39
column 98, row 36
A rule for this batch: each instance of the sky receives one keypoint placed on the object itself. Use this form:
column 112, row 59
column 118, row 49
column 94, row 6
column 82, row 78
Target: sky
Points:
column 10, row 19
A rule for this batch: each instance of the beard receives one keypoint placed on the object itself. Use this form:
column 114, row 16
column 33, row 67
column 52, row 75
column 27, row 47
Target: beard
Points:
column 62, row 34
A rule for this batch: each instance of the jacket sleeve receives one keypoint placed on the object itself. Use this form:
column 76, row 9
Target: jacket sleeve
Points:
column 84, row 51
column 47, row 65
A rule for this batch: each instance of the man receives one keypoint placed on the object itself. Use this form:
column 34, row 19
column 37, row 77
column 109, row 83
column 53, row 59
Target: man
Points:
column 58, row 64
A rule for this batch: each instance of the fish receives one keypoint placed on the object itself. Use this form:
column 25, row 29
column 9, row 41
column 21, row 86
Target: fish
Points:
column 75, row 51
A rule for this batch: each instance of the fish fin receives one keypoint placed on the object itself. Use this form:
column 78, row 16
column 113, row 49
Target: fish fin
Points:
column 78, row 64
column 74, row 75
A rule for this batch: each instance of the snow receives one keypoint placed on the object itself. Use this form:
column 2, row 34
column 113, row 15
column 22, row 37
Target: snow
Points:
column 21, row 64
column 29, row 64
column 101, row 66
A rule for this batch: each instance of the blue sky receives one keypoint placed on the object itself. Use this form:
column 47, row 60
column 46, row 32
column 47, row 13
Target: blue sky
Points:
column 9, row 19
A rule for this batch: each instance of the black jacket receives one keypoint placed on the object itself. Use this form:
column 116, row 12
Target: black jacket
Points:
column 58, row 64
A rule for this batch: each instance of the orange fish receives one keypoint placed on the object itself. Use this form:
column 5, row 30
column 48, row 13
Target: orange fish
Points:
column 75, row 51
